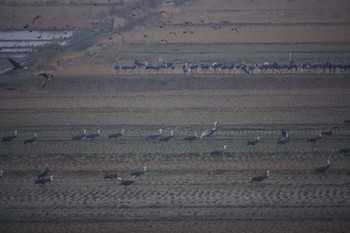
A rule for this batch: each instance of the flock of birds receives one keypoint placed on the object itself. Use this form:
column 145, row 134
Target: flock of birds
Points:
column 46, row 176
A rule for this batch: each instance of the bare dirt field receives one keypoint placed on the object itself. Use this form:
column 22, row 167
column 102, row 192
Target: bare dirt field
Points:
column 186, row 188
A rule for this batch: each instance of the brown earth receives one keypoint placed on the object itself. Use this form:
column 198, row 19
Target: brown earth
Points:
column 186, row 189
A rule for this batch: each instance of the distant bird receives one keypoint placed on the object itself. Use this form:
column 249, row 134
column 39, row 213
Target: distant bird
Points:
column 284, row 133
column 188, row 23
column 166, row 139
column 323, row 168
column 26, row 26
column 235, row 29
column 9, row 138
column 30, row 140
column 116, row 134
column 43, row 180
column 260, row 178
column 138, row 173
column 189, row 139
column 155, row 136
column 16, row 65
column 92, row 136
column 35, row 18
column 313, row 140
column 218, row 152
column 207, row 133
column 253, row 142
column 283, row 140
column 46, row 77
column 326, row 132
column 78, row 137
column 125, row 182
column 1, row 174
column 163, row 13
column 345, row 151
column 45, row 172
column 110, row 175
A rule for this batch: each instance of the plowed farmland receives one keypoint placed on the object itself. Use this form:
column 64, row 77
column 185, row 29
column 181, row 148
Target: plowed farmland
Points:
column 185, row 189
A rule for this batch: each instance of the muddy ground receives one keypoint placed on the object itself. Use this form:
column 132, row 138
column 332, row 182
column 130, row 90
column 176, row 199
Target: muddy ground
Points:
column 186, row 189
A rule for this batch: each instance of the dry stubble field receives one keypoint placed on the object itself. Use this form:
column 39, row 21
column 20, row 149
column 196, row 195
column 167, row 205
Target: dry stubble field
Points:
column 186, row 189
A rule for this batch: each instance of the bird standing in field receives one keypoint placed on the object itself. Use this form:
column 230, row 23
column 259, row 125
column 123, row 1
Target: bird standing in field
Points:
column 9, row 138
column 209, row 132
column 283, row 140
column 139, row 173
column 43, row 180
column 92, row 136
column 116, row 134
column 166, row 139
column 261, row 178
column 313, row 140
column 253, row 142
column 110, row 175
column 80, row 136
column 155, row 136
column 190, row 138
column 31, row 140
column 218, row 152
column 323, row 168
column 125, row 182
column 45, row 172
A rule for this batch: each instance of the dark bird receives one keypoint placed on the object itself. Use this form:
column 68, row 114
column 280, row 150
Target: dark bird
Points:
column 125, row 182
column 189, row 139
column 80, row 136
column 110, row 175
column 1, row 174
column 260, row 178
column 155, row 136
column 209, row 132
column 43, row 180
column 35, row 18
column 46, row 76
column 284, row 133
column 323, row 168
column 166, row 139
column 26, row 26
column 9, row 138
column 188, row 23
column 313, row 140
column 283, row 140
column 138, row 173
column 16, row 65
column 253, row 142
column 218, row 152
column 116, row 134
column 345, row 151
column 92, row 136
column 235, row 29
column 44, row 172
column 30, row 140
column 145, row 35
column 326, row 132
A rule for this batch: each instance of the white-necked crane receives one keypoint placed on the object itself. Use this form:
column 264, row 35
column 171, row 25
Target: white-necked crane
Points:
column 31, row 140
column 284, row 133
column 44, row 172
column 167, row 138
column 210, row 131
column 126, row 182
column 253, row 142
column 283, row 140
column 323, row 168
column 327, row 132
column 116, row 134
column 218, row 152
column 92, row 136
column 43, row 180
column 80, row 136
column 314, row 139
column 46, row 76
column 260, row 178
column 9, row 137
column 138, row 173
column 155, row 135
column 190, row 138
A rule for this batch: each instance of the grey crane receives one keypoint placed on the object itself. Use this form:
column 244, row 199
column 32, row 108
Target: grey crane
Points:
column 43, row 180
column 126, row 182
column 284, row 133
column 110, row 175
column 9, row 137
column 314, row 139
column 283, row 140
column 116, row 134
column 218, row 152
column 44, row 172
column 323, row 168
column 155, row 135
column 80, row 136
column 16, row 65
column 209, row 132
column 261, row 178
column 253, row 142
column 31, row 140
column 167, row 138
column 190, row 138
column 92, row 136
column 138, row 173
